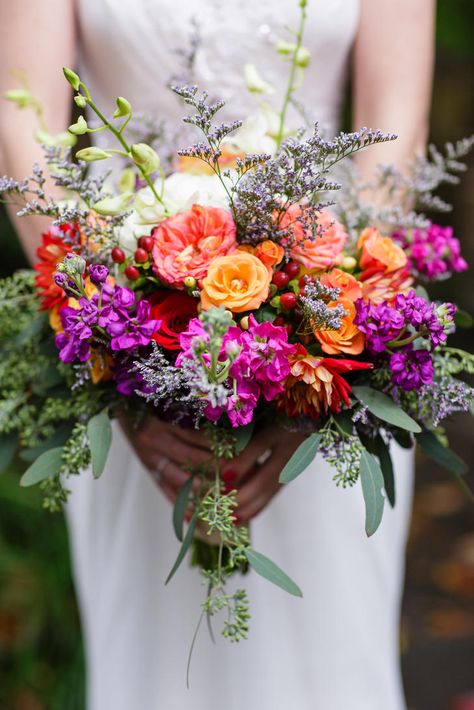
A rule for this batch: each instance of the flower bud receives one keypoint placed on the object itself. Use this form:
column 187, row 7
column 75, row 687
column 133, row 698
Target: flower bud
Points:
column 72, row 265
column 72, row 78
column 111, row 206
column 244, row 323
column 98, row 274
column 190, row 282
column 80, row 101
column 126, row 181
column 60, row 279
column 123, row 107
column 145, row 157
column 348, row 263
column 64, row 140
column 254, row 81
column 285, row 49
column 91, row 154
column 303, row 57
column 80, row 127
column 21, row 97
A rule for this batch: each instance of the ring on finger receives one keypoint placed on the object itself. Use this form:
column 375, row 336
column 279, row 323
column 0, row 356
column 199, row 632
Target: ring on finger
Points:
column 159, row 468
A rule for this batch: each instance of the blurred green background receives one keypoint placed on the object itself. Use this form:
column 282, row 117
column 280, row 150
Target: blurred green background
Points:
column 41, row 660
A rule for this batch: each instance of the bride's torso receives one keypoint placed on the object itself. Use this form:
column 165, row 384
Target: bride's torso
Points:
column 130, row 48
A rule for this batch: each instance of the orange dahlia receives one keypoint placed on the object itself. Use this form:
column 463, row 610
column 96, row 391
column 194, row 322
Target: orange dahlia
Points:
column 316, row 385
column 56, row 243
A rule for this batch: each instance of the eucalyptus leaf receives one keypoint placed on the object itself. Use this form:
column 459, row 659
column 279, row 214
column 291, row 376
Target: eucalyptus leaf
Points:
column 243, row 434
column 188, row 538
column 268, row 569
column 180, row 507
column 99, row 432
column 301, row 458
column 371, row 478
column 432, row 447
column 463, row 319
column 8, row 446
column 47, row 465
column 60, row 436
column 383, row 453
column 385, row 408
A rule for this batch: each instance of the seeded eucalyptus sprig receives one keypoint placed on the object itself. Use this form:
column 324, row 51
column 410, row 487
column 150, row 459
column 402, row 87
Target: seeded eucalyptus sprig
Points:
column 142, row 155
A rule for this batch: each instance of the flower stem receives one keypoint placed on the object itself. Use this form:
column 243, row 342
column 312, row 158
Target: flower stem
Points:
column 291, row 80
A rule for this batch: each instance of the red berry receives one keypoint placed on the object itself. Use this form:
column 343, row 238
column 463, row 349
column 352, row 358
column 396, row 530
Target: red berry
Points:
column 140, row 255
column 118, row 255
column 280, row 279
column 292, row 269
column 303, row 281
column 279, row 320
column 288, row 300
column 132, row 273
column 146, row 243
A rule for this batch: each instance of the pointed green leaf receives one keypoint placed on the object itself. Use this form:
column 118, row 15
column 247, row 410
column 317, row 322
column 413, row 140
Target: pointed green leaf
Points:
column 432, row 447
column 8, row 446
column 60, row 436
column 243, row 434
column 47, row 465
column 99, row 432
column 372, row 482
column 383, row 453
column 301, row 458
column 180, row 507
column 268, row 569
column 188, row 538
column 463, row 319
column 385, row 408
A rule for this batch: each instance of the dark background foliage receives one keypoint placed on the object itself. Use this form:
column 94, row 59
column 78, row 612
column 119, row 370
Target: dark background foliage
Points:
column 41, row 661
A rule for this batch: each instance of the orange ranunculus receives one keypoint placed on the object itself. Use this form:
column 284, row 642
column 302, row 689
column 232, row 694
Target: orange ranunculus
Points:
column 187, row 243
column 314, row 252
column 378, row 286
column 349, row 286
column 380, row 252
column 239, row 282
column 316, row 385
column 348, row 339
column 269, row 252
column 196, row 166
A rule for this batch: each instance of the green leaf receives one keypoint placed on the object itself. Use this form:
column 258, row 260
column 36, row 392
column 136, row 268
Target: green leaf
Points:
column 385, row 408
column 243, row 434
column 8, row 446
column 99, row 432
column 180, row 507
column 268, row 569
column 463, row 319
column 344, row 420
column 432, row 447
column 301, row 458
column 264, row 314
column 47, row 465
column 422, row 293
column 383, row 453
column 60, row 436
column 372, row 482
column 184, row 547
column 33, row 329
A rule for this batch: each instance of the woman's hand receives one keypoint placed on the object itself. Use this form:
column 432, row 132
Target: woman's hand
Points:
column 256, row 471
column 166, row 450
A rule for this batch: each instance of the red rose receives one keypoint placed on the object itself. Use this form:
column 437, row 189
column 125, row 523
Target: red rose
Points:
column 174, row 309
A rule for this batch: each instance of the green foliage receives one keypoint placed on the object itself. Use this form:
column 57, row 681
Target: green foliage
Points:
column 301, row 458
column 385, row 408
column 372, row 481
column 268, row 569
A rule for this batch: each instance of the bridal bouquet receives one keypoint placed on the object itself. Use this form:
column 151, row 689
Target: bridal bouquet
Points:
column 221, row 288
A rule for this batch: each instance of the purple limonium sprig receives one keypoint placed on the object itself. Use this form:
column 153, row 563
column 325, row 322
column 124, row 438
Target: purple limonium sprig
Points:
column 434, row 252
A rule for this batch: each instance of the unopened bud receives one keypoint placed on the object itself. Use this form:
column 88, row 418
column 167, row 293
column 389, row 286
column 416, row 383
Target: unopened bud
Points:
column 21, row 97
column 190, row 282
column 284, row 48
column 123, row 107
column 111, row 206
column 91, row 154
column 348, row 263
column 80, row 101
column 145, row 157
column 72, row 78
column 303, row 58
column 126, row 181
column 255, row 83
column 79, row 128
column 244, row 323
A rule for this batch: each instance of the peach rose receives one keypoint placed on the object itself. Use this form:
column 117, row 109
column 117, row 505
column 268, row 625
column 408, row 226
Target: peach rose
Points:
column 378, row 286
column 187, row 243
column 196, row 166
column 319, row 252
column 238, row 281
column 269, row 252
column 348, row 339
column 380, row 252
column 349, row 286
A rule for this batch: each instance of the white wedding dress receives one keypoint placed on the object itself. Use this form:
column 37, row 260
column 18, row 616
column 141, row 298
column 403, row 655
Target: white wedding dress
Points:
column 335, row 649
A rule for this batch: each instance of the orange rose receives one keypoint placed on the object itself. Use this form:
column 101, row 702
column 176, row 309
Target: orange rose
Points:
column 348, row 339
column 238, row 281
column 378, row 286
column 380, row 252
column 349, row 286
column 269, row 252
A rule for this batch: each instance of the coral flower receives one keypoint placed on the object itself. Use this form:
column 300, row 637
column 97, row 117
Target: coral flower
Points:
column 238, row 281
column 196, row 166
column 53, row 249
column 187, row 243
column 349, row 286
column 379, row 286
column 269, row 252
column 348, row 339
column 380, row 252
column 316, row 385
column 321, row 251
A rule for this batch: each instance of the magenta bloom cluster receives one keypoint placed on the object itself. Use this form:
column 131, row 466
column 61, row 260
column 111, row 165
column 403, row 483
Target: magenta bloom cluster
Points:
column 112, row 312
column 259, row 366
column 433, row 252
column 394, row 329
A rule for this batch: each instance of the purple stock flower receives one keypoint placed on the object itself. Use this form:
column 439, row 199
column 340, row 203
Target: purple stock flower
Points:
column 73, row 343
column 241, row 405
column 98, row 274
column 411, row 369
column 434, row 252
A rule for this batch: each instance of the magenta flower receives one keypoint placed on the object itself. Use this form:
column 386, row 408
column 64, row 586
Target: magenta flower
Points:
column 433, row 252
